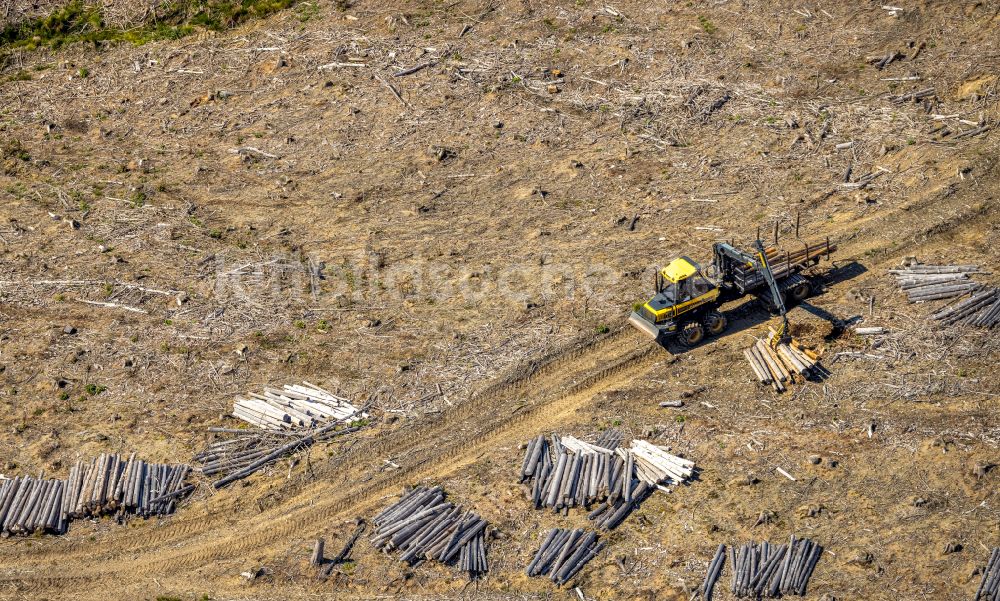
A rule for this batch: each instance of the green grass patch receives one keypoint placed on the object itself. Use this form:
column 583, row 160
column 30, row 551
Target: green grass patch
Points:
column 13, row 149
column 81, row 21
column 95, row 389
column 21, row 75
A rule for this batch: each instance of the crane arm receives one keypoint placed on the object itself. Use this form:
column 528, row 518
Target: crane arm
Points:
column 784, row 335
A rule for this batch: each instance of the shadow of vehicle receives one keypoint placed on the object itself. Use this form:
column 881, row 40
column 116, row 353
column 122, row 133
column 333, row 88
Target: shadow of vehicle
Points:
column 752, row 312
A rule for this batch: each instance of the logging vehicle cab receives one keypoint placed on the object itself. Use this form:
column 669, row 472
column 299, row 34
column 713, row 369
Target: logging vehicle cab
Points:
column 687, row 299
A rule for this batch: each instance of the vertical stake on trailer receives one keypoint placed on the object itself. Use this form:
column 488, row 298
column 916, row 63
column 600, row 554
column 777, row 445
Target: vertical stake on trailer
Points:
column 798, row 217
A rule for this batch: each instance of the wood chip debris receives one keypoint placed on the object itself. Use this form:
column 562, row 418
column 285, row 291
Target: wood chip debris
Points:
column 423, row 525
column 763, row 571
column 106, row 485
column 572, row 473
column 292, row 406
column 563, row 553
column 780, row 364
column 241, row 453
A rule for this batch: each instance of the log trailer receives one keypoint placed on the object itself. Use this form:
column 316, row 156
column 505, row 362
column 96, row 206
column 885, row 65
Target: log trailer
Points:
column 688, row 299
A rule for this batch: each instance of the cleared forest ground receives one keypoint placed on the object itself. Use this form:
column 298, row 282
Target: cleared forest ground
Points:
column 491, row 217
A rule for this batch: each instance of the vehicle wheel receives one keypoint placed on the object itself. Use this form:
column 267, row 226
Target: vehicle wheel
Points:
column 692, row 334
column 715, row 323
column 801, row 291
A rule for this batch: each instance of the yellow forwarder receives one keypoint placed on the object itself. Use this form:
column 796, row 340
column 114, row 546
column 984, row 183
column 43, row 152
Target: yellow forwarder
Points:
column 687, row 300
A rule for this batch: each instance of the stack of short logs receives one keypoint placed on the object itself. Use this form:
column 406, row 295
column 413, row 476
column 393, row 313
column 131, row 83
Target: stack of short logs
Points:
column 422, row 525
column 241, row 453
column 989, row 586
column 293, row 406
column 778, row 365
column 109, row 484
column 935, row 282
column 572, row 473
column 563, row 553
column 29, row 505
column 763, row 571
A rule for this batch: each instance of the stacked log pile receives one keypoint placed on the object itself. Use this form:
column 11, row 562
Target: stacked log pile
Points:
column 654, row 465
column 938, row 282
column 563, row 553
column 573, row 473
column 981, row 310
column 778, row 365
column 934, row 282
column 111, row 484
column 423, row 525
column 29, row 505
column 241, row 453
column 989, row 586
column 763, row 571
column 609, row 438
column 293, row 406
column 108, row 484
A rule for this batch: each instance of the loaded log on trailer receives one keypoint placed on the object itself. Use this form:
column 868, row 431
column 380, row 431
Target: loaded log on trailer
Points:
column 688, row 299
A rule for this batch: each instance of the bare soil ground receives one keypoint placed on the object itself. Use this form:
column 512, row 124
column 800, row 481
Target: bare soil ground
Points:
column 473, row 219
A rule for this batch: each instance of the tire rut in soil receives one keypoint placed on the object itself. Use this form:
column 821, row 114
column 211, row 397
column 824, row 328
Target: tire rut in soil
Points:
column 566, row 378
